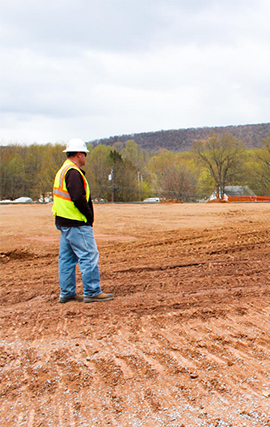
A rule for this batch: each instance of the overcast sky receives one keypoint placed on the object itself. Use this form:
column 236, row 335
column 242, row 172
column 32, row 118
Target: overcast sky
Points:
column 98, row 68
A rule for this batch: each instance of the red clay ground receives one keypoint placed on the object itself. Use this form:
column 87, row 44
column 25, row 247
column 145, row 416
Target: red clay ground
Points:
column 185, row 342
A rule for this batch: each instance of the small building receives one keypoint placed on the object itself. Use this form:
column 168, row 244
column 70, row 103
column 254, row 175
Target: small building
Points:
column 239, row 193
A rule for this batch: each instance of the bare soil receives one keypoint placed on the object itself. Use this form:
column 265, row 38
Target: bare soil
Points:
column 185, row 342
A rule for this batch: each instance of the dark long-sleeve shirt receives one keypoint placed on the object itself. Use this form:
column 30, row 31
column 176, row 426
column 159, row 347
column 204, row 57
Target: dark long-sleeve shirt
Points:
column 75, row 187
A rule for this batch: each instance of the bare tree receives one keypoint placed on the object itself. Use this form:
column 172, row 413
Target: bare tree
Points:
column 179, row 184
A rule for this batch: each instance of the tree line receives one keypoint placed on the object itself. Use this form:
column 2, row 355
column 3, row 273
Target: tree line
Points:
column 125, row 172
column 181, row 140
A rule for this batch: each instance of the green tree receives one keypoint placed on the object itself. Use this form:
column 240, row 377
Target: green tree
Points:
column 205, row 184
column 16, row 173
column 52, row 159
column 222, row 156
column 173, row 175
column 13, row 180
column 259, row 169
column 5, row 180
column 29, row 170
column 33, row 169
column 139, row 158
column 123, row 178
column 98, row 170
column 135, row 154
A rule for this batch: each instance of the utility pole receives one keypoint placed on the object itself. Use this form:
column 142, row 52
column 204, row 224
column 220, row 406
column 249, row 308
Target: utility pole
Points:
column 111, row 178
column 139, row 184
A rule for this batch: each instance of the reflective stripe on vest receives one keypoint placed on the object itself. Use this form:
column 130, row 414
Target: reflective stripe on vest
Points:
column 62, row 194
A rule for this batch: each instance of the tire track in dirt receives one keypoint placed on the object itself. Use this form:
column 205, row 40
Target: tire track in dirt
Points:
column 173, row 353
column 184, row 343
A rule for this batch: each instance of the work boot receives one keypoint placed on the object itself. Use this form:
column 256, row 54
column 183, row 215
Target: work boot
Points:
column 99, row 298
column 78, row 298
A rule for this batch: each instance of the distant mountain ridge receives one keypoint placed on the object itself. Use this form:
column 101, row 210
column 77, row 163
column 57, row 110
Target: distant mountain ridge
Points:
column 182, row 139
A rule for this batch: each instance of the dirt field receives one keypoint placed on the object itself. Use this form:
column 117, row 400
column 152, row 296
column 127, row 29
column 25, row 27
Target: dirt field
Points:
column 185, row 342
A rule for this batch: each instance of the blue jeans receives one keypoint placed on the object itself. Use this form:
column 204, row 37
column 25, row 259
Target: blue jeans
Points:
column 78, row 245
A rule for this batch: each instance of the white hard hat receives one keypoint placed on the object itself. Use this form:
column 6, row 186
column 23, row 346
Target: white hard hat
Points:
column 76, row 145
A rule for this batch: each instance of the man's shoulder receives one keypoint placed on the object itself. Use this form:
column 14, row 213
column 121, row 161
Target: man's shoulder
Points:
column 73, row 172
column 76, row 170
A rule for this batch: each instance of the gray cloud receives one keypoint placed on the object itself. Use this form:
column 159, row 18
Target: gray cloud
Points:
column 98, row 68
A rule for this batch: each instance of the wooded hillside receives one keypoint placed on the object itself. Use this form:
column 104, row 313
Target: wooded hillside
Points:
column 181, row 140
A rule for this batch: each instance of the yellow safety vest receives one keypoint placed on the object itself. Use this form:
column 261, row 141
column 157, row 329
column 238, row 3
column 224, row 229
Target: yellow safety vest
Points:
column 62, row 204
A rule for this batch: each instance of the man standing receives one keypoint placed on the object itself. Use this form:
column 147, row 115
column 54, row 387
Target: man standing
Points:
column 74, row 217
